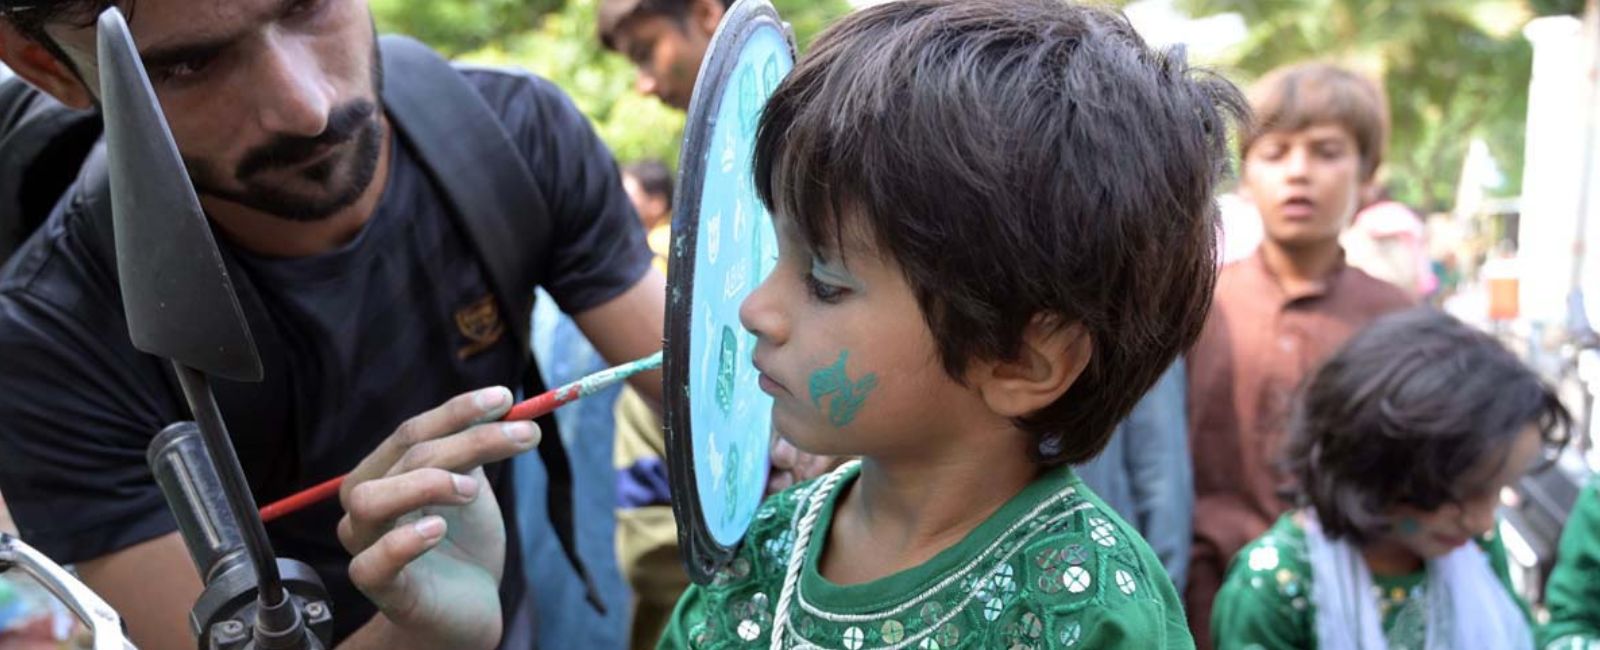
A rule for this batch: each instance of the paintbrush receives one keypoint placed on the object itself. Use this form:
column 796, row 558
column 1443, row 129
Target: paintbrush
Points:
column 527, row 409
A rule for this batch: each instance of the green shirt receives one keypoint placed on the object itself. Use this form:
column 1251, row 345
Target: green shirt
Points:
column 1053, row 568
column 1573, row 596
column 1265, row 601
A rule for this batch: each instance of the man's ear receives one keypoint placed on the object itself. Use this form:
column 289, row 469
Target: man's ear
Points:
column 1052, row 357
column 707, row 14
column 35, row 63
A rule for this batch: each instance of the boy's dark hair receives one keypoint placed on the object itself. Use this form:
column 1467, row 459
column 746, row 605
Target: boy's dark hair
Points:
column 613, row 13
column 653, row 177
column 1299, row 96
column 1017, row 159
column 1405, row 410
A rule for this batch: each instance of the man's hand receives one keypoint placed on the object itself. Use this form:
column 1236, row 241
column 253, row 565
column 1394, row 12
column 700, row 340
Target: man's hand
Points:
column 790, row 465
column 426, row 533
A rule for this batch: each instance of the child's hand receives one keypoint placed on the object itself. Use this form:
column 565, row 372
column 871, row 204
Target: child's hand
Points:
column 790, row 465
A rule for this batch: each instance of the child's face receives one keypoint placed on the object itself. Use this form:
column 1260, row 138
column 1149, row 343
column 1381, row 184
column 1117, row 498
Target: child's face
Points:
column 1306, row 184
column 843, row 349
column 1435, row 533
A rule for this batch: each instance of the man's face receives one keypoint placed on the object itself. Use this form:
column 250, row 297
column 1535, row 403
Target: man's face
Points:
column 273, row 103
column 1306, row 184
column 666, row 53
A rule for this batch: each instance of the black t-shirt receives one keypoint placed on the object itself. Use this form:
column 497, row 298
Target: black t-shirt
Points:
column 362, row 338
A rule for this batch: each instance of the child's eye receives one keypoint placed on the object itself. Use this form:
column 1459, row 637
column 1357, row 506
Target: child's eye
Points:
column 823, row 291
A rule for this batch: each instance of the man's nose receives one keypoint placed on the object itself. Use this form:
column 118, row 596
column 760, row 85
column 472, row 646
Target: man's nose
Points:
column 291, row 92
column 645, row 83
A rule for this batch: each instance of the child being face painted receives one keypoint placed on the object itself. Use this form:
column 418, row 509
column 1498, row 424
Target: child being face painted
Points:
column 996, row 226
column 1400, row 446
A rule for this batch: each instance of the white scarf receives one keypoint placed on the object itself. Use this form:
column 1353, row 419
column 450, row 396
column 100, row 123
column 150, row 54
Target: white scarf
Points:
column 1468, row 607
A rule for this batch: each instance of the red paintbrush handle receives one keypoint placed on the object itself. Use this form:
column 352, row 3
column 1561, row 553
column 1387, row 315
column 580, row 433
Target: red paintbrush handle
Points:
column 527, row 409
column 302, row 499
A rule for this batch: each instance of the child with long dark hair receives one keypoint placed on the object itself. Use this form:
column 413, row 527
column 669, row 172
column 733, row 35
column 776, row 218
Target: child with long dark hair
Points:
column 1400, row 445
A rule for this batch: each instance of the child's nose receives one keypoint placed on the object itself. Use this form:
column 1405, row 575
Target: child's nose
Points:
column 761, row 314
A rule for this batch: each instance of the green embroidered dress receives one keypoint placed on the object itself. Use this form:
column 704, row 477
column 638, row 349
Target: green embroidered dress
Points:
column 1573, row 596
column 1265, row 602
column 1053, row 568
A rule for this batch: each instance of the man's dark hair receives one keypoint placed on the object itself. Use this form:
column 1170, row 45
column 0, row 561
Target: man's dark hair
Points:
column 1403, row 413
column 1018, row 159
column 31, row 16
column 613, row 13
column 652, row 176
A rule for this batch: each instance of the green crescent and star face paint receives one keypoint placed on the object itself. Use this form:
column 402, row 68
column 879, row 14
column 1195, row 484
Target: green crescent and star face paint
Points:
column 843, row 395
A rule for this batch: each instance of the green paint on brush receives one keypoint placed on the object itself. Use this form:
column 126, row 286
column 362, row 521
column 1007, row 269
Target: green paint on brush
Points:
column 606, row 378
column 848, row 395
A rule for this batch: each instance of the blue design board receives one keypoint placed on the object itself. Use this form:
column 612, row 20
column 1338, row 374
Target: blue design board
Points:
column 719, row 422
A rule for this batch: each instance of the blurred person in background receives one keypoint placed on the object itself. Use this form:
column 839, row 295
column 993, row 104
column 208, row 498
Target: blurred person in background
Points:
column 1400, row 446
column 1145, row 475
column 647, row 535
column 649, row 186
column 665, row 40
column 1573, row 592
column 1310, row 156
column 1388, row 241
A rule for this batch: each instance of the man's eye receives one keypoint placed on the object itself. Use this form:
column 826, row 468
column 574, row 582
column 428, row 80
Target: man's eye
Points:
column 303, row 7
column 180, row 71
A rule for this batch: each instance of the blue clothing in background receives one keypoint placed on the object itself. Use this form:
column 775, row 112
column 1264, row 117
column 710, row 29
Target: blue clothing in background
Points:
column 565, row 619
column 1146, row 475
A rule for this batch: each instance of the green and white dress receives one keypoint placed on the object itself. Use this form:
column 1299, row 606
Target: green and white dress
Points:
column 1573, row 596
column 1266, row 600
column 1053, row 568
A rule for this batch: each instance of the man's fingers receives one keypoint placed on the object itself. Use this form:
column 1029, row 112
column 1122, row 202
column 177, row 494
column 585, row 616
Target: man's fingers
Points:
column 477, row 446
column 458, row 413
column 379, row 571
column 371, row 507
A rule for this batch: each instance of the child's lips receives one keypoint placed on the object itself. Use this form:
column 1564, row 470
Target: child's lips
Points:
column 1450, row 542
column 771, row 386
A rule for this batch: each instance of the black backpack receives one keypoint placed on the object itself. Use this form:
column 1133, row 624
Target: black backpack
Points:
column 498, row 204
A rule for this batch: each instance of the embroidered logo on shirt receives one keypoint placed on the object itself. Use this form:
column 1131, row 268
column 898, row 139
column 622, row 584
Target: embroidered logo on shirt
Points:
column 480, row 323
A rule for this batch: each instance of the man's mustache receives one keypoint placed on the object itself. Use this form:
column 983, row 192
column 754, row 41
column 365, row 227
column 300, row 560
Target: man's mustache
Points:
column 343, row 125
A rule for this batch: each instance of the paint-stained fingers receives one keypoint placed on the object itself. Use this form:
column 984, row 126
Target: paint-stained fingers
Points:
column 372, row 506
column 379, row 569
column 457, row 413
column 472, row 448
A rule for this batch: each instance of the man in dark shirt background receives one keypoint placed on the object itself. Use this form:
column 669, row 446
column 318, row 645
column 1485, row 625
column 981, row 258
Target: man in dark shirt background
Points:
column 379, row 308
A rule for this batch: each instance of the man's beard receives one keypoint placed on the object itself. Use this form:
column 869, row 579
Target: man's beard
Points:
column 353, row 131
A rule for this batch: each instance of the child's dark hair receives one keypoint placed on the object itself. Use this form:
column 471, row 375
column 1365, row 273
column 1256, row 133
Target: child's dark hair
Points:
column 1016, row 159
column 1402, row 412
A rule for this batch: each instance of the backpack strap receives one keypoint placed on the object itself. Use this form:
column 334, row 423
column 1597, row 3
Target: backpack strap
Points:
column 468, row 153
column 42, row 145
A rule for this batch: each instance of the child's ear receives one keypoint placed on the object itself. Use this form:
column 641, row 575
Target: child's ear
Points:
column 1052, row 357
column 39, row 67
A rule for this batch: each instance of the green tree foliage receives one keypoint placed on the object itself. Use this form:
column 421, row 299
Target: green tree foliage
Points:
column 556, row 39
column 1453, row 70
